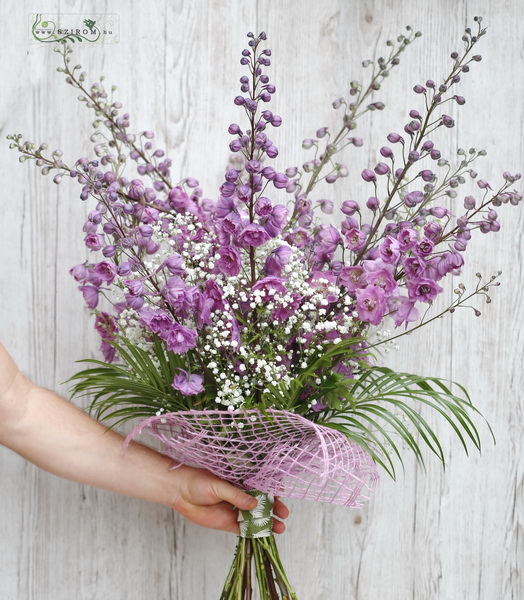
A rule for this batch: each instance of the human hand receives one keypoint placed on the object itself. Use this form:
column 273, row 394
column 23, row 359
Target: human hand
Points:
column 207, row 500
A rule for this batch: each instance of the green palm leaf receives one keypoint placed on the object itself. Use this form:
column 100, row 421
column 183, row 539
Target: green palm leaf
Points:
column 138, row 387
column 385, row 407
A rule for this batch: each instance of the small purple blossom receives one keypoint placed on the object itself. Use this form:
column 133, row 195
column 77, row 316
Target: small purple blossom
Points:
column 371, row 304
column 253, row 235
column 188, row 384
column 180, row 339
column 229, row 262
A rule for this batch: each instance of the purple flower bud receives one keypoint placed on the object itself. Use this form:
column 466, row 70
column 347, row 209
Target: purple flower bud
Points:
column 492, row 215
column 79, row 272
column 469, row 202
column 386, row 152
column 253, row 166
column 483, row 184
column 413, row 198
column 109, row 251
column 276, row 121
column 235, row 146
column 239, row 101
column 413, row 156
column 485, row 227
column 134, row 302
column 326, row 206
column 447, row 121
column 439, row 211
column 244, row 193
column 419, row 89
column 268, row 173
column 146, row 230
column 308, row 143
column 382, row 169
column 356, row 141
column 430, row 83
column 337, row 103
column 395, row 137
column 232, row 175
column 494, row 226
column 331, row 178
column 291, row 186
column 349, row 207
column 398, row 172
column 414, row 114
column 426, row 175
column 372, row 203
column 459, row 100
column 412, row 126
column 291, row 172
column 280, row 181
column 263, row 206
column 435, row 154
column 272, row 151
column 427, row 145
column 368, row 175
column 321, row 132
column 234, row 129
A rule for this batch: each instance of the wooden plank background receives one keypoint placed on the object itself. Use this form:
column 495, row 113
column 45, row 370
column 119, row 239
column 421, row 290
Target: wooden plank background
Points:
column 430, row 535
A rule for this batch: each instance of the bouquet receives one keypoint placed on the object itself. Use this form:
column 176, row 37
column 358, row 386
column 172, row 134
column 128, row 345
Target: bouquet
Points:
column 242, row 330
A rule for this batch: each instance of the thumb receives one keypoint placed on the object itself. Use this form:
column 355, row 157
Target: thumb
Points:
column 229, row 493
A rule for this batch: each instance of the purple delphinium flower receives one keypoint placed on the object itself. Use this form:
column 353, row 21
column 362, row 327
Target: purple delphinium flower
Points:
column 355, row 238
column 371, row 304
column 277, row 260
column 404, row 311
column 389, row 250
column 90, row 293
column 229, row 262
column 94, row 241
column 270, row 286
column 180, row 339
column 79, row 272
column 178, row 296
column 352, row 278
column 159, row 321
column 105, row 271
column 275, row 222
column 188, row 384
column 105, row 325
column 423, row 290
column 253, row 235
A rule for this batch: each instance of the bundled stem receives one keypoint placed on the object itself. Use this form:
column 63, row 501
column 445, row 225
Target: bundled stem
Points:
column 256, row 546
column 272, row 581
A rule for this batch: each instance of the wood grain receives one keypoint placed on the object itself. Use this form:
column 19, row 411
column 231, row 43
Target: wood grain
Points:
column 432, row 535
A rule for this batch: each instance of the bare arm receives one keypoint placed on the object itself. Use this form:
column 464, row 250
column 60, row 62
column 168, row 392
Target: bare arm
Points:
column 60, row 438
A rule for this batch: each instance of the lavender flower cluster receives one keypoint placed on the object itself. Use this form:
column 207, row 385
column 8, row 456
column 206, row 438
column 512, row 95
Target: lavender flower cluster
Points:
column 249, row 291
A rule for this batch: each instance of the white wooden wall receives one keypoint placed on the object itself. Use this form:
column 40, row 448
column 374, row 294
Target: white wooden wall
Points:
column 431, row 535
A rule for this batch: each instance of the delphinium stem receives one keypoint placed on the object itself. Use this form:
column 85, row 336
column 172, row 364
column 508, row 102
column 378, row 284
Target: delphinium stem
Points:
column 257, row 547
column 247, row 570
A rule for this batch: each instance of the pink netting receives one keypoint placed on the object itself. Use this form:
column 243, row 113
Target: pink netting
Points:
column 278, row 453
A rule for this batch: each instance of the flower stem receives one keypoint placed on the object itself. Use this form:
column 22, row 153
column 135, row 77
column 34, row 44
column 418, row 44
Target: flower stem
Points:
column 257, row 549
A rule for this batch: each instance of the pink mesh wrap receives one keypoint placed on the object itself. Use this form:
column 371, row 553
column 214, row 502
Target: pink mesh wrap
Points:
column 277, row 453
